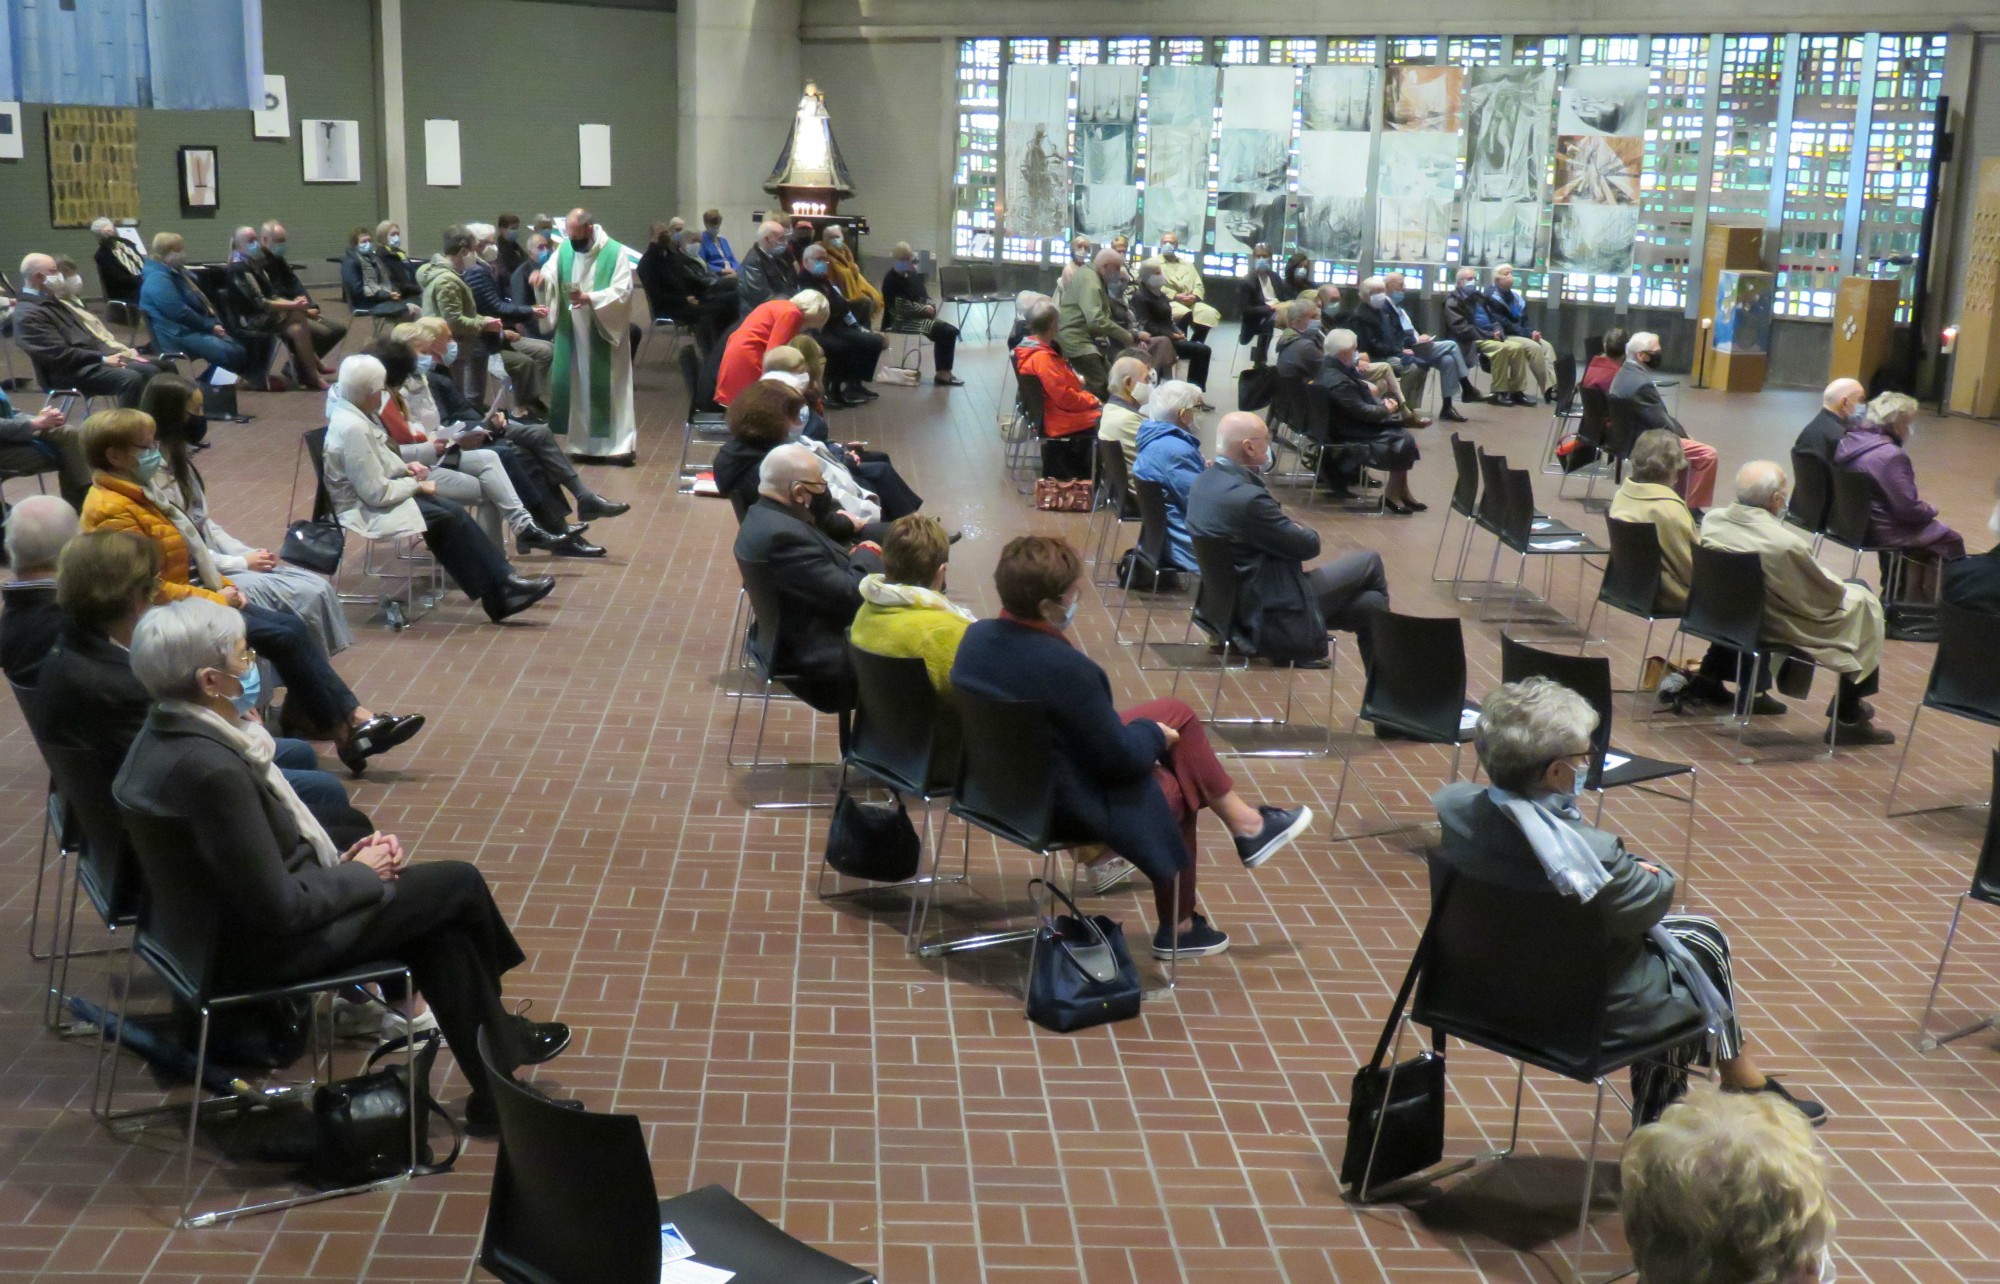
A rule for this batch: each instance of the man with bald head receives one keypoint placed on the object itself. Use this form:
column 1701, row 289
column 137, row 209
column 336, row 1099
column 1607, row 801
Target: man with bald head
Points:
column 767, row 271
column 1086, row 327
column 64, row 351
column 1838, row 625
column 30, row 620
column 587, row 287
column 818, row 581
column 1131, row 380
column 1840, row 409
column 1283, row 611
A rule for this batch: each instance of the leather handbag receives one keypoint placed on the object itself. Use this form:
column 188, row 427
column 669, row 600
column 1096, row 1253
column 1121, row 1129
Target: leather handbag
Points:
column 870, row 841
column 1080, row 974
column 361, row 1126
column 315, row 545
column 1052, row 496
column 1402, row 1105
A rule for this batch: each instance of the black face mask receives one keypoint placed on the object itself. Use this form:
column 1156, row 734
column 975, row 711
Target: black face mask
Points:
column 580, row 242
column 195, row 429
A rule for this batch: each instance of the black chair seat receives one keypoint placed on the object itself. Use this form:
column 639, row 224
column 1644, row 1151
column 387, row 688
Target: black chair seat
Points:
column 1427, row 735
column 1636, row 770
column 1984, row 716
column 1610, row 1057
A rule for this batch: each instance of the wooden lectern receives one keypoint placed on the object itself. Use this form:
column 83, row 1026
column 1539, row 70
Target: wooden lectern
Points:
column 1864, row 327
column 1975, row 374
column 1726, row 248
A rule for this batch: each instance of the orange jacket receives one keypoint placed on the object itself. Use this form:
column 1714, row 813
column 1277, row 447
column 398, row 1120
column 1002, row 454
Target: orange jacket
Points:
column 1067, row 406
column 771, row 324
column 114, row 504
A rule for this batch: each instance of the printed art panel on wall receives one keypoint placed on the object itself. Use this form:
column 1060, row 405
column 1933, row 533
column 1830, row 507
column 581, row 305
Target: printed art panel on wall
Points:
column 1416, row 187
column 1509, row 113
column 1600, row 153
column 1106, row 200
column 1180, row 122
column 93, row 165
column 1424, row 100
column 1035, row 178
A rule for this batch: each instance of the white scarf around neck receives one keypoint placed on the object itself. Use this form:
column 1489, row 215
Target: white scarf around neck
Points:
column 256, row 747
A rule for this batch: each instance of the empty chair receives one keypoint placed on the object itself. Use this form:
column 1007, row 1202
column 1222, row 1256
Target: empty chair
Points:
column 703, row 429
column 573, row 1202
column 1964, row 682
column 1464, row 503
column 1151, row 573
column 1416, row 691
column 1631, row 583
column 1594, row 427
column 1985, row 888
column 1114, row 498
column 107, row 873
column 1520, row 529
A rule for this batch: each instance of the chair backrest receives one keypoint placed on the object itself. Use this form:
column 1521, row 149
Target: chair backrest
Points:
column 181, row 921
column 1812, row 492
column 105, row 864
column 1986, row 874
column 315, row 440
column 1964, row 676
column 1523, row 972
column 1725, row 598
column 1492, row 508
column 573, row 1195
column 1288, row 400
column 1417, row 684
column 690, row 365
column 1114, row 479
column 1622, row 425
column 1633, row 572
column 1517, row 507
column 1215, row 597
column 765, row 610
column 1465, row 490
column 904, row 731
column 1152, row 522
column 1315, row 413
column 1847, row 517
column 1006, row 771
column 1587, row 675
column 1028, row 395
column 1596, row 424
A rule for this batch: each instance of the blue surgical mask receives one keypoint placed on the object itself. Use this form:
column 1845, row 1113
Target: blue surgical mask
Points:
column 451, row 353
column 543, row 257
column 278, row 248
column 1396, row 296
column 904, row 265
column 1069, row 612
column 253, row 686
column 395, row 240
column 426, row 362
column 150, row 461
column 817, row 267
column 364, row 246
column 513, row 233
column 1579, row 775
column 1261, row 264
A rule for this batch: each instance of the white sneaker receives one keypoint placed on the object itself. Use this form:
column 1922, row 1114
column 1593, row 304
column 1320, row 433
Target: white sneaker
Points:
column 395, row 1025
column 1112, row 871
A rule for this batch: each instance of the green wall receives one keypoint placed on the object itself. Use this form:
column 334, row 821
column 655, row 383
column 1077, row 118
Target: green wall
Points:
column 519, row 77
column 325, row 51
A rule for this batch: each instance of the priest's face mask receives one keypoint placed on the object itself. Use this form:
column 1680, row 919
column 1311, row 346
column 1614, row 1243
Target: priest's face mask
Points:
column 580, row 231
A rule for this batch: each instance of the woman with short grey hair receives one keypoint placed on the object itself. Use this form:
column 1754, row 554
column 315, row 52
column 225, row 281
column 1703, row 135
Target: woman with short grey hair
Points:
column 1524, row 831
column 1897, row 516
column 1170, row 454
column 289, row 902
column 1657, row 457
column 910, row 310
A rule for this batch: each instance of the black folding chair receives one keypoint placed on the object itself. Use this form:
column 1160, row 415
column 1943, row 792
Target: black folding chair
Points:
column 1633, row 577
column 1415, row 691
column 1464, row 503
column 1610, row 767
column 1519, row 529
column 766, row 609
column 573, row 1202
column 53, row 827
column 1964, row 682
column 1854, row 494
column 1111, row 502
column 1985, row 889
column 1524, row 974
column 703, row 429
column 1725, row 607
column 1594, row 427
column 106, row 873
column 1812, row 495
column 1150, row 573
column 179, row 936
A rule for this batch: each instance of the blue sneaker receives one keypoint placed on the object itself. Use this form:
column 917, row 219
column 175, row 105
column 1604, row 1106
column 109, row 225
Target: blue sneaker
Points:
column 1280, row 827
column 1196, row 941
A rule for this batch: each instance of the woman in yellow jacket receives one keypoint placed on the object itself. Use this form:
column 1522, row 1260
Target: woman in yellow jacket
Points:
column 904, row 613
column 846, row 274
column 124, row 460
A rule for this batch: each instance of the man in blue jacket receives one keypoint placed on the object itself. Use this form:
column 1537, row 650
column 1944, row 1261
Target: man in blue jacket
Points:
column 181, row 317
column 1503, row 310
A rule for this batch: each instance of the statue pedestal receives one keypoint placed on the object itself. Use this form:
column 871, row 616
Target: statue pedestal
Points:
column 1864, row 327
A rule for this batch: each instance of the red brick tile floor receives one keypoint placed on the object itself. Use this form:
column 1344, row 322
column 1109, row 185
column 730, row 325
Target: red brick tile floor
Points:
column 901, row 1112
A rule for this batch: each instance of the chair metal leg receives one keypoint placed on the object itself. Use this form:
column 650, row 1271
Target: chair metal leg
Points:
column 1925, row 1041
column 1896, row 782
column 1575, row 1261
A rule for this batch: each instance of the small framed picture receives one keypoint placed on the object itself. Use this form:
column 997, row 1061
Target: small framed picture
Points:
column 200, row 189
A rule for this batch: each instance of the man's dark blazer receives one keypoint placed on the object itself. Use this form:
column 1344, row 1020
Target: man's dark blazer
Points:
column 1378, row 332
column 1821, row 436
column 819, row 585
column 30, row 623
column 1972, row 582
column 1256, row 312
column 1104, row 785
column 89, row 678
column 279, row 906
column 1636, row 406
column 1277, row 613
column 56, row 342
column 1354, row 412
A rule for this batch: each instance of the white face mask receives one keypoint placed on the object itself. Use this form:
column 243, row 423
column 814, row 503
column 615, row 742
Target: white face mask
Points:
column 793, row 379
column 489, row 252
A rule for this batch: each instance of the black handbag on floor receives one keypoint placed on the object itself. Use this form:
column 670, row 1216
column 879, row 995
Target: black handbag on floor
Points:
column 873, row 842
column 1081, row 974
column 1410, row 1120
column 361, row 1126
column 315, row 545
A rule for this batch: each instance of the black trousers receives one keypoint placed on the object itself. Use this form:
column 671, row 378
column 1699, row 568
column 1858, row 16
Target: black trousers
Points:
column 880, row 476
column 543, row 501
column 944, row 338
column 462, row 548
column 1197, row 356
column 308, row 674
column 851, row 356
column 1347, row 587
column 122, row 382
column 443, row 923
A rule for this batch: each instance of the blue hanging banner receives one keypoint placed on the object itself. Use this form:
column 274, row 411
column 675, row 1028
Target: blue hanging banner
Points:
column 189, row 55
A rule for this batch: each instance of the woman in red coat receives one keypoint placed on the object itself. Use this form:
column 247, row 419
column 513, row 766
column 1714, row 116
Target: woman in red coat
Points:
column 771, row 324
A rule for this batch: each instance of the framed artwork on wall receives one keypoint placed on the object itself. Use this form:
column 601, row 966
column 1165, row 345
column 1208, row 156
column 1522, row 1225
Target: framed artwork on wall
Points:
column 200, row 186
column 332, row 150
column 273, row 118
column 93, row 165
column 11, row 146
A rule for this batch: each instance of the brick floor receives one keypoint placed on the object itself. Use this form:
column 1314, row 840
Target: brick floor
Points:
column 901, row 1112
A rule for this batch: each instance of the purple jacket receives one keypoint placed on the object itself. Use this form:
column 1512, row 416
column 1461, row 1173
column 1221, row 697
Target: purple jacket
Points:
column 1897, row 518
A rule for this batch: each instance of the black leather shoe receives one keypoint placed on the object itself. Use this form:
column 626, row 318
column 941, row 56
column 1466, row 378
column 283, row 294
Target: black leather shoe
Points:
column 1466, row 392
column 592, row 507
column 540, row 1040
column 575, row 528
column 516, row 596
column 1450, row 414
column 529, row 538
column 576, row 546
column 379, row 734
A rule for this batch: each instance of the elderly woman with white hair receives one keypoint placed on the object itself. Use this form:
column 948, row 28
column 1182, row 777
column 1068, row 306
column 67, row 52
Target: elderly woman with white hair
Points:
column 121, row 265
column 1897, row 517
column 911, row 308
column 1524, row 832
column 378, row 495
column 1170, row 454
column 290, row 903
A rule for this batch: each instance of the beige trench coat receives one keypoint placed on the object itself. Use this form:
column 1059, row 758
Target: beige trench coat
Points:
column 1807, row 606
column 1638, row 501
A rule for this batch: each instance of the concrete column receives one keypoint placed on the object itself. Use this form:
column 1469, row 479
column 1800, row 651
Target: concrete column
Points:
column 740, row 82
column 395, row 146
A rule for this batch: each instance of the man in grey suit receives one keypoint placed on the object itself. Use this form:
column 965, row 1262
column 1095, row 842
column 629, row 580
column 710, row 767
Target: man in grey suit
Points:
column 1283, row 610
column 818, row 581
column 1534, row 741
column 1636, row 407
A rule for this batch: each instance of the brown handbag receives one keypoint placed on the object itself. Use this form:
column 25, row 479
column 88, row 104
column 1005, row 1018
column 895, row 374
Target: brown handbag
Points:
column 1052, row 496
